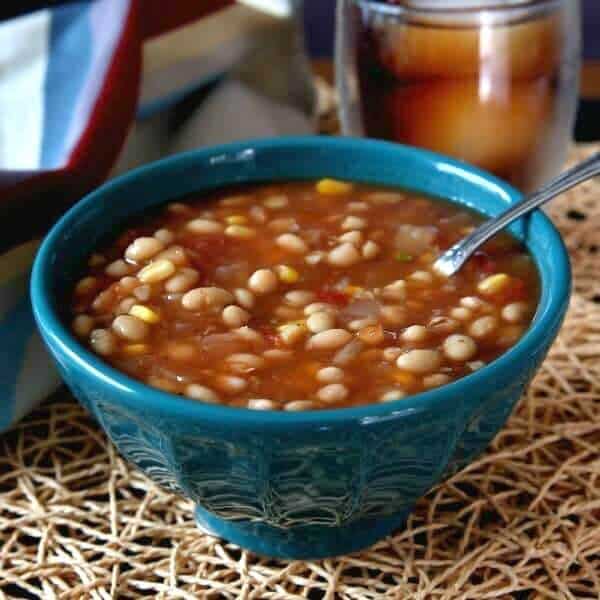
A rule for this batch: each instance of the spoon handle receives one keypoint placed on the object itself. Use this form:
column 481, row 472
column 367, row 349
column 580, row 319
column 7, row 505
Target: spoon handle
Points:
column 454, row 258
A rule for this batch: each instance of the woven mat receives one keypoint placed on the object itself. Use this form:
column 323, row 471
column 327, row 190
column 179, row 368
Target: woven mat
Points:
column 522, row 522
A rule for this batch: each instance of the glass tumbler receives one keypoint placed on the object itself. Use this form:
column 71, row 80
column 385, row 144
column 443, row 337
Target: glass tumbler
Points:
column 491, row 82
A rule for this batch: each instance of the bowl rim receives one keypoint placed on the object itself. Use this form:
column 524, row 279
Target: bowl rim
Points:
column 140, row 396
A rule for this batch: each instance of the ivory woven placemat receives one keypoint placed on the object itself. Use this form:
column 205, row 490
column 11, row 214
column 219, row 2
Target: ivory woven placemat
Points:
column 523, row 522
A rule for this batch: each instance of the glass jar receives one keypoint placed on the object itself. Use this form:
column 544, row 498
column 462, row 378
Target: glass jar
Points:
column 491, row 82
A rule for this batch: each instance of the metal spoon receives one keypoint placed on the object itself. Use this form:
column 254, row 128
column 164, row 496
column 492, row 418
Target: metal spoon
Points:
column 455, row 257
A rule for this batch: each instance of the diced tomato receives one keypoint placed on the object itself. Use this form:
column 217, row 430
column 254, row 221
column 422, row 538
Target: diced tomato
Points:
column 269, row 333
column 516, row 290
column 483, row 263
column 332, row 297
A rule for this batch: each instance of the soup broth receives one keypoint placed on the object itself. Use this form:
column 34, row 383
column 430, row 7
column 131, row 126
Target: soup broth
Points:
column 302, row 295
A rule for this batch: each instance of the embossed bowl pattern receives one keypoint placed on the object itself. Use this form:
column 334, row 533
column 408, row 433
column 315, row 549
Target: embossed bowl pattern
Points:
column 307, row 484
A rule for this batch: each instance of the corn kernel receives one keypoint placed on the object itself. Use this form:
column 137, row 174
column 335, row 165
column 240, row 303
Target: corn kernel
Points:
column 494, row 284
column 351, row 290
column 332, row 187
column 143, row 313
column 236, row 220
column 136, row 349
column 240, row 231
column 287, row 274
column 292, row 332
column 156, row 271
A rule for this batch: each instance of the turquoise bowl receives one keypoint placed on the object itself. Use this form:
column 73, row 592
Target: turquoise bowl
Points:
column 301, row 485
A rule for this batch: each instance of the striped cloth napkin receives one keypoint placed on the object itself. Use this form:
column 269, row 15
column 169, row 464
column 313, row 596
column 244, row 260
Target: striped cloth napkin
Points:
column 69, row 84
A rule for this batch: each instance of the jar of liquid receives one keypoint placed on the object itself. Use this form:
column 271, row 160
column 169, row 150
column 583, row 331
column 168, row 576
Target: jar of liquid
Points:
column 491, row 82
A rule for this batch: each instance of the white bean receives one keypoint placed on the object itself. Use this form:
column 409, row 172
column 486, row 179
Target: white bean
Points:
column 181, row 351
column 292, row 243
column 278, row 355
column 476, row 365
column 393, row 315
column 201, row 392
column 354, row 237
column 130, row 328
column 174, row 254
column 332, row 393
column 359, row 324
column 244, row 297
column 241, row 232
column 314, row 258
column 370, row 249
column 261, row 404
column 128, row 283
column 86, row 285
column 275, row 202
column 82, row 325
column 125, row 306
column 299, row 298
column 353, row 222
column 459, row 347
column 244, row 362
column 143, row 248
column 298, row 405
column 230, row 384
column 258, row 214
column 443, row 325
column 395, row 291
column 392, row 395
column 344, row 255
column 263, row 281
column 102, row 342
column 419, row 361
column 283, row 224
column 165, row 236
column 182, row 281
column 461, row 314
column 357, row 206
column 435, row 380
column 206, row 297
column 234, row 316
column 330, row 375
column 483, row 327
column 423, row 277
column 320, row 321
column 118, row 268
column 204, row 226
column 143, row 292
column 391, row 353
column 329, row 340
column 473, row 303
column 250, row 335
column 415, row 333
column 515, row 312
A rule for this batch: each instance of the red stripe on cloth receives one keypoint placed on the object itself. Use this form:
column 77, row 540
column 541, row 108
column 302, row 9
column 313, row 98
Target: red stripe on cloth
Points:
column 30, row 202
column 157, row 18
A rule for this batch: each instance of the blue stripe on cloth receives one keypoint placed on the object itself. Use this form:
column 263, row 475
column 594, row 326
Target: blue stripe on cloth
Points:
column 16, row 328
column 70, row 53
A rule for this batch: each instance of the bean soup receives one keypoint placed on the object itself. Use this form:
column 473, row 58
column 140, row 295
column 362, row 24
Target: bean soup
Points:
column 302, row 295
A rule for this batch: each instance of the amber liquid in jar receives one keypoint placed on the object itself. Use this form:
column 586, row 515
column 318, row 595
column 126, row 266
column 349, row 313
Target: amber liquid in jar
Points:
column 493, row 95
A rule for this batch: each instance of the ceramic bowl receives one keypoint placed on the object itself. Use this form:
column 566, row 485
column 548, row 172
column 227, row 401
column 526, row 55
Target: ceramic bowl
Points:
column 308, row 484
